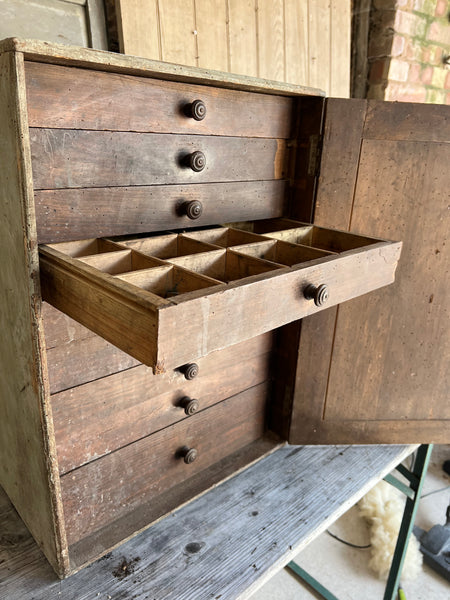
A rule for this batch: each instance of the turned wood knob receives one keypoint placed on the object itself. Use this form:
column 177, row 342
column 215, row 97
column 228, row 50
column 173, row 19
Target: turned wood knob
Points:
column 197, row 161
column 189, row 404
column 190, row 370
column 194, row 209
column 188, row 454
column 197, row 110
column 318, row 293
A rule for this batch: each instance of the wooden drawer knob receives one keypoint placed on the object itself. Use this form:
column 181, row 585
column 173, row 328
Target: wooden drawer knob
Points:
column 197, row 161
column 190, row 370
column 197, row 110
column 188, row 454
column 318, row 293
column 194, row 209
column 189, row 404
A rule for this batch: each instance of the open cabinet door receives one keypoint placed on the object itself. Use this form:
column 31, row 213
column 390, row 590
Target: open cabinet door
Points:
column 376, row 369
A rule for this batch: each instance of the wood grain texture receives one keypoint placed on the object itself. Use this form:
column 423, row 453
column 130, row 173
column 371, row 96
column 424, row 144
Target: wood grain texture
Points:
column 211, row 26
column 242, row 37
column 301, row 478
column 296, row 41
column 273, row 299
column 270, row 28
column 178, row 31
column 393, row 386
column 71, row 98
column 300, row 41
column 28, row 466
column 112, row 62
column 340, row 47
column 406, row 121
column 67, row 214
column 138, row 27
column 106, row 489
column 64, row 158
column 139, row 403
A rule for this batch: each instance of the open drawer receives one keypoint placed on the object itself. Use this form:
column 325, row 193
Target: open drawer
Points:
column 170, row 298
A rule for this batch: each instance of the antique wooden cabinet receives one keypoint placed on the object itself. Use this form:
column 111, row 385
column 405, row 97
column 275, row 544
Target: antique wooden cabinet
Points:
column 158, row 263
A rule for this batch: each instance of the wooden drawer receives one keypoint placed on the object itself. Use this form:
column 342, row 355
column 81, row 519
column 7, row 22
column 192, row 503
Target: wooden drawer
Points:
column 182, row 296
column 70, row 98
column 99, row 417
column 106, row 489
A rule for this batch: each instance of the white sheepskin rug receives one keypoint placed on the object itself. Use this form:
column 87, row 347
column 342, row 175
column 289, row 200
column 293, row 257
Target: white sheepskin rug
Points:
column 383, row 508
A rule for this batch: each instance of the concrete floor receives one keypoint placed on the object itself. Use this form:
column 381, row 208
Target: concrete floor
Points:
column 344, row 570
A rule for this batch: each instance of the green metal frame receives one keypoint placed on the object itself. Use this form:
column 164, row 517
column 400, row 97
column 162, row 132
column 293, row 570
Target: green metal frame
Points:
column 416, row 477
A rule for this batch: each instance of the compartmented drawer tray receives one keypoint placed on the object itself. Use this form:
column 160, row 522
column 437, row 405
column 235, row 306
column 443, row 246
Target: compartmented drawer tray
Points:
column 169, row 299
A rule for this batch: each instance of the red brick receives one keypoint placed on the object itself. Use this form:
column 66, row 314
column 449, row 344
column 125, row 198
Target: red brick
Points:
column 448, row 99
column 409, row 23
column 413, row 50
column 439, row 31
column 432, row 55
column 398, row 70
column 427, row 75
column 441, row 8
column 414, row 73
column 398, row 45
column 405, row 92
column 447, row 81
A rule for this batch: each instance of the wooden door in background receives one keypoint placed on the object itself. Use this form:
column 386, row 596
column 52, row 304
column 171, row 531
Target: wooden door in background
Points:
column 300, row 41
column 75, row 22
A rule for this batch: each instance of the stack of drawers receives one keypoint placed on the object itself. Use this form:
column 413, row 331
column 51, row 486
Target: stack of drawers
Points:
column 147, row 374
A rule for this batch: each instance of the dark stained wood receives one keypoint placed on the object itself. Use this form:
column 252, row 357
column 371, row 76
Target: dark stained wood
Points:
column 339, row 161
column 305, row 158
column 71, row 98
column 406, row 121
column 99, row 417
column 97, row 212
column 106, row 489
column 63, row 158
column 393, row 385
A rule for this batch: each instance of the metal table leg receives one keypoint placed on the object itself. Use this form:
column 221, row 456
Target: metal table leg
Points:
column 415, row 477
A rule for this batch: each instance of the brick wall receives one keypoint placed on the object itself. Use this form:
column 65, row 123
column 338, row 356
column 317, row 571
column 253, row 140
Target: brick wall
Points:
column 409, row 50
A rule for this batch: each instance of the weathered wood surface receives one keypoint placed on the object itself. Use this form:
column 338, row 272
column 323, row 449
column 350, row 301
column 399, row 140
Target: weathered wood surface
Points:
column 273, row 299
column 204, row 314
column 74, row 56
column 393, row 385
column 28, row 468
column 102, row 491
column 101, row 416
column 76, row 159
column 71, row 98
column 301, row 41
column 243, row 531
column 68, row 214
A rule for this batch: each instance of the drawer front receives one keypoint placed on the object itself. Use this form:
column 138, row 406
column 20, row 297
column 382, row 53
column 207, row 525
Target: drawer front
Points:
column 66, row 214
column 106, row 489
column 71, row 98
column 99, row 417
column 66, row 158
column 233, row 286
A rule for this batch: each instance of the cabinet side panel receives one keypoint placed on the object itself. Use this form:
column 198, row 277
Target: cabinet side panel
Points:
column 28, row 470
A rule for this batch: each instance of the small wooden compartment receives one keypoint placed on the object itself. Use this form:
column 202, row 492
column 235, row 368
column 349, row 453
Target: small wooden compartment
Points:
column 168, row 315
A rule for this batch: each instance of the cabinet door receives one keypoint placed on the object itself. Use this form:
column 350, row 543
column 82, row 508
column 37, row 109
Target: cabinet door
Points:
column 376, row 369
